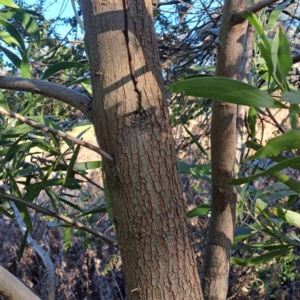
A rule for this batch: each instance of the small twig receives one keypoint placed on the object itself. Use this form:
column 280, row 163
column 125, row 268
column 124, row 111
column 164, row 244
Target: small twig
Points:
column 60, row 217
column 131, row 67
column 275, row 121
column 242, row 283
column 56, row 132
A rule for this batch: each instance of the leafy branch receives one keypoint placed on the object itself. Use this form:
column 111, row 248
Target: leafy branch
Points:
column 60, row 217
column 56, row 132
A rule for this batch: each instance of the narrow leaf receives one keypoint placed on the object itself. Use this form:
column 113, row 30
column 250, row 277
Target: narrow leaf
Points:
column 63, row 66
column 259, row 259
column 291, row 217
column 286, row 141
column 282, row 165
column 28, row 23
column 11, row 56
column 89, row 165
column 98, row 210
column 15, row 34
column 195, row 141
column 3, row 102
column 8, row 3
column 71, row 164
column 227, row 90
column 23, row 245
column 252, row 18
column 275, row 13
column 201, row 210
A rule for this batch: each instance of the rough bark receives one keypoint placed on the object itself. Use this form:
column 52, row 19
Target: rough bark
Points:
column 131, row 121
column 11, row 288
column 223, row 145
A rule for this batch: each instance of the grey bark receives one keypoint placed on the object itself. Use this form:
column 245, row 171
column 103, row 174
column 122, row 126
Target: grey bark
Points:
column 223, row 144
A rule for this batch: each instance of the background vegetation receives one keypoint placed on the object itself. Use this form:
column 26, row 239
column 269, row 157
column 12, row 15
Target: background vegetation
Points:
column 60, row 179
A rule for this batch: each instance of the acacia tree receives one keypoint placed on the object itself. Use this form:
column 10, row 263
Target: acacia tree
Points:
column 130, row 115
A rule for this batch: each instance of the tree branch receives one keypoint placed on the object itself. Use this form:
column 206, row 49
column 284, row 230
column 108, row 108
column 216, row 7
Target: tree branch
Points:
column 56, row 132
column 291, row 15
column 296, row 59
column 48, row 89
column 12, row 288
column 60, row 217
column 237, row 19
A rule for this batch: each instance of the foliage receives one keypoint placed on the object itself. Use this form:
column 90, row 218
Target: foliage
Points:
column 264, row 232
column 33, row 162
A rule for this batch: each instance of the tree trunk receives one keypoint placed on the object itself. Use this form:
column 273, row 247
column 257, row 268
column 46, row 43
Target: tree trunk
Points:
column 130, row 116
column 223, row 145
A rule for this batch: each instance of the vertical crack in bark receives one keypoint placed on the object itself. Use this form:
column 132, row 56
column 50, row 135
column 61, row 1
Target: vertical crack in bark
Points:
column 131, row 66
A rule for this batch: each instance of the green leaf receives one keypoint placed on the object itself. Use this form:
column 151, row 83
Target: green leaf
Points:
column 18, row 130
column 17, row 148
column 252, row 114
column 259, row 259
column 3, row 102
column 201, row 210
column 259, row 206
column 15, row 36
column 25, row 67
column 11, row 56
column 5, row 212
column 266, row 54
column 252, row 18
column 77, row 207
column 281, row 59
column 292, row 97
column 282, row 165
column 242, row 233
column 8, row 3
column 28, row 24
column 288, row 181
column 98, row 210
column 30, row 105
column 225, row 89
column 286, row 141
column 279, row 195
column 63, row 66
column 261, row 246
column 202, row 171
column 203, row 68
column 23, row 245
column 275, row 14
column 107, row 202
column 285, row 60
column 291, row 217
column 277, row 158
column 89, row 165
column 195, row 141
column 82, row 80
column 70, row 183
column 87, row 88
column 71, row 164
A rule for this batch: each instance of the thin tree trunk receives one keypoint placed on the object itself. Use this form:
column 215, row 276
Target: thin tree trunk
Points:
column 130, row 116
column 223, row 144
